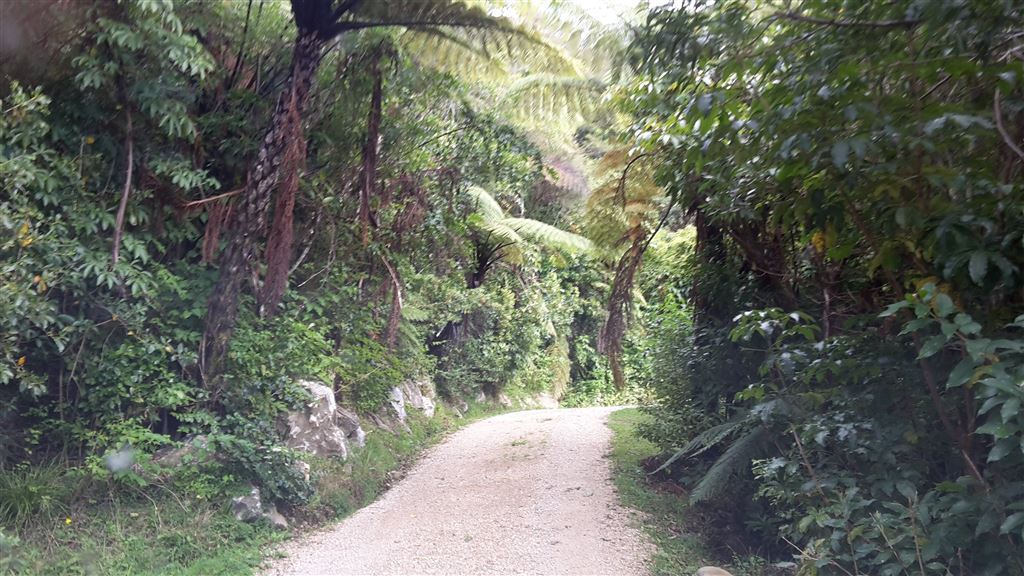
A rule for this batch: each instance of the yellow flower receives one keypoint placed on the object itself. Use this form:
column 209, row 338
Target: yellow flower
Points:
column 67, row 520
column 818, row 241
column 21, row 361
column 90, row 140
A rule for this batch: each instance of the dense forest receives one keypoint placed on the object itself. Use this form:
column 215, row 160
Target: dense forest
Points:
column 793, row 231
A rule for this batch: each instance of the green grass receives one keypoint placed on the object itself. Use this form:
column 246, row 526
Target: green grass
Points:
column 680, row 549
column 104, row 527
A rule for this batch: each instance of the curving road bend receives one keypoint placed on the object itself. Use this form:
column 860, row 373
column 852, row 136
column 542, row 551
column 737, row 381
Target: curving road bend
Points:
column 521, row 493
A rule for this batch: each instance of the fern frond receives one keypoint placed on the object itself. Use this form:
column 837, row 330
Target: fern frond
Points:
column 705, row 440
column 543, row 98
column 484, row 204
column 414, row 314
column 549, row 235
column 735, row 459
column 449, row 52
column 561, row 366
column 499, row 232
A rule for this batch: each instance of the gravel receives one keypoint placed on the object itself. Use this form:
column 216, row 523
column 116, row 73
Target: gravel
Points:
column 521, row 493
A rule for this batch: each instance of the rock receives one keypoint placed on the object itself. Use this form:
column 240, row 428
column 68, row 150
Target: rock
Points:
column 248, row 508
column 481, row 397
column 397, row 401
column 545, row 400
column 414, row 396
column 504, row 400
column 313, row 429
column 302, row 468
column 194, row 449
column 380, row 422
column 275, row 518
column 712, row 571
column 349, row 423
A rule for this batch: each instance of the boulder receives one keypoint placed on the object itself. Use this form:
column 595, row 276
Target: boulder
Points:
column 504, row 400
column 397, row 401
column 413, row 390
column 542, row 400
column 349, row 423
column 250, row 508
column 313, row 428
column 275, row 518
column 481, row 397
column 302, row 468
column 193, row 449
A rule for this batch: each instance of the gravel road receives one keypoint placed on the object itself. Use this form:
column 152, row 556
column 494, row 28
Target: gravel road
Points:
column 521, row 493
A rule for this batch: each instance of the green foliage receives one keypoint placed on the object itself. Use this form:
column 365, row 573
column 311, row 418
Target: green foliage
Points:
column 835, row 158
column 143, row 131
column 32, row 493
column 681, row 548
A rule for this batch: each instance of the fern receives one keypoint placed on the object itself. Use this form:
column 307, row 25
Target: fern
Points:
column 489, row 218
column 561, row 366
column 485, row 205
column 705, row 440
column 735, row 459
column 549, row 235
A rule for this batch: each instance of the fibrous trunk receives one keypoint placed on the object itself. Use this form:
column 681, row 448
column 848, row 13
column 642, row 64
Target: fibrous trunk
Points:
column 251, row 212
column 371, row 149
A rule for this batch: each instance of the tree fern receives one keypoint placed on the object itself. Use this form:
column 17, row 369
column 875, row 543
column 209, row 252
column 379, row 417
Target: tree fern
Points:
column 489, row 218
column 549, row 235
column 705, row 440
column 561, row 366
column 735, row 459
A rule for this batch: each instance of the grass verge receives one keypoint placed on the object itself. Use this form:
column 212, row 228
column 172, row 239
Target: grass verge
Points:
column 680, row 550
column 185, row 528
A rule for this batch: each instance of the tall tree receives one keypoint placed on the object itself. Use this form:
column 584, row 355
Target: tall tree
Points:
column 317, row 23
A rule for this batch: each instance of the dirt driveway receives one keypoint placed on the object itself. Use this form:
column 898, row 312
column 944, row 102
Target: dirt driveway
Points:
column 521, row 493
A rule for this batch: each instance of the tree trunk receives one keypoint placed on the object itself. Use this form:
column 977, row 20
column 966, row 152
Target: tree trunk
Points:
column 278, row 252
column 613, row 330
column 251, row 212
column 371, row 149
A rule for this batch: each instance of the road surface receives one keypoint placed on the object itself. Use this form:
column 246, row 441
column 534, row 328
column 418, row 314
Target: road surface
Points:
column 521, row 493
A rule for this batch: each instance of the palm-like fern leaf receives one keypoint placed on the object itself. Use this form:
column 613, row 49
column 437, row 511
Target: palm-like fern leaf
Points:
column 540, row 98
column 549, row 235
column 485, row 205
column 490, row 218
column 706, row 439
column 735, row 459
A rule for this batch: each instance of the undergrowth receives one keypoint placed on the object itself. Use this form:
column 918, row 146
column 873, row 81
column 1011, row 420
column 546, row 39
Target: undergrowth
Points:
column 680, row 543
column 56, row 521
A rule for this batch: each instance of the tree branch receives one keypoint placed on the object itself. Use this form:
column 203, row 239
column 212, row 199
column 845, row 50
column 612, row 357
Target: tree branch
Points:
column 998, row 113
column 194, row 203
column 838, row 23
column 123, row 206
